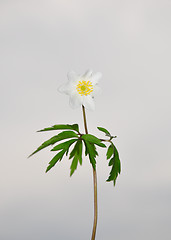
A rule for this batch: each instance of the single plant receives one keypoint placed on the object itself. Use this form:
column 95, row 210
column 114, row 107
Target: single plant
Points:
column 82, row 89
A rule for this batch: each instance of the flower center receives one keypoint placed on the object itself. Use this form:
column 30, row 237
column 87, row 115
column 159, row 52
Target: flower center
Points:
column 84, row 87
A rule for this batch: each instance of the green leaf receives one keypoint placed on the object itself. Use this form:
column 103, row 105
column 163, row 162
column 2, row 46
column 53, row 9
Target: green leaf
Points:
column 79, row 151
column 104, row 130
column 86, row 152
column 57, row 138
column 110, row 151
column 55, row 159
column 116, row 154
column 91, row 151
column 92, row 139
column 64, row 145
column 111, row 162
column 94, row 149
column 76, row 154
column 74, row 164
column 73, row 152
column 46, row 144
column 61, row 127
column 116, row 167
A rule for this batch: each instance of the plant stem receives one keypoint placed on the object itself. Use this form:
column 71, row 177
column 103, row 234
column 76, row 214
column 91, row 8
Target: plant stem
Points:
column 94, row 184
column 85, row 121
column 95, row 204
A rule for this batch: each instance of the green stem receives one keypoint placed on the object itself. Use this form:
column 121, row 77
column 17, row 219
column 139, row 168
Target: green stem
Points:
column 94, row 184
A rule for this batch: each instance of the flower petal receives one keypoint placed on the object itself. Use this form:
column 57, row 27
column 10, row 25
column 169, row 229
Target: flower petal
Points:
column 88, row 102
column 87, row 74
column 67, row 88
column 96, row 91
column 64, row 89
column 95, row 78
column 75, row 100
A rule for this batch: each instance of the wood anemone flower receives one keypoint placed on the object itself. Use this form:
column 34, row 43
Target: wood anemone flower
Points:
column 82, row 89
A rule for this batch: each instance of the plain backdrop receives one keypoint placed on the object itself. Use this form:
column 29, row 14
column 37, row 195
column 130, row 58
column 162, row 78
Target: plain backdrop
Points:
column 129, row 42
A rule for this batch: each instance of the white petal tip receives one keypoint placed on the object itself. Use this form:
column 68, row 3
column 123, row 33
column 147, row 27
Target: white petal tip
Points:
column 88, row 73
column 60, row 89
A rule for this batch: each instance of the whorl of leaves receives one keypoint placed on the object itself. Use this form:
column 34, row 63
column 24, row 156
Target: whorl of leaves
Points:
column 90, row 141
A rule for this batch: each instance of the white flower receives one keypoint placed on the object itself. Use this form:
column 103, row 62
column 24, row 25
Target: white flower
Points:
column 82, row 89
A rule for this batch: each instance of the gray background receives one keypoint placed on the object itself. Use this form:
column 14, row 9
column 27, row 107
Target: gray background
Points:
column 129, row 42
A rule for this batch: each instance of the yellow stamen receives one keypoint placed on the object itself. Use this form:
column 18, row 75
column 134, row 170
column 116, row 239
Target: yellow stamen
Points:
column 84, row 87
